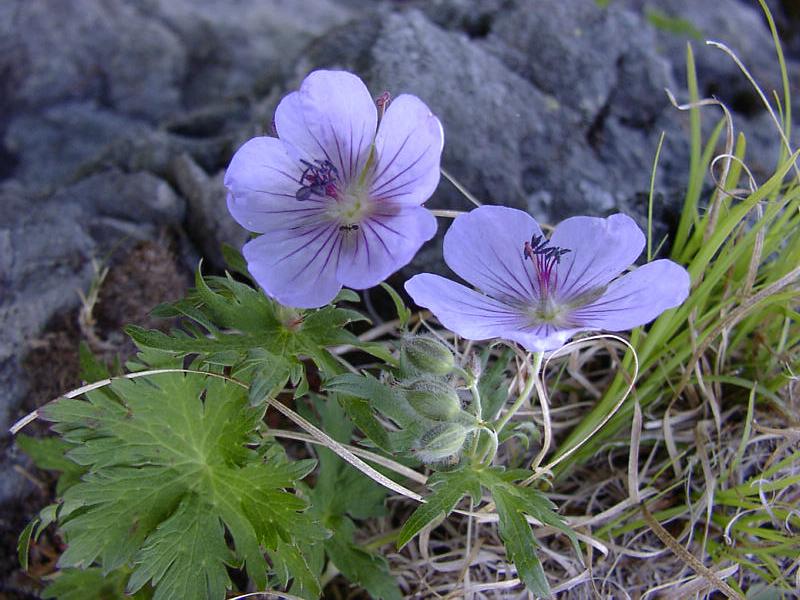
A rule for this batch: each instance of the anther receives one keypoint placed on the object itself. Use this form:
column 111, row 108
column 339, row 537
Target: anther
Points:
column 540, row 246
column 318, row 178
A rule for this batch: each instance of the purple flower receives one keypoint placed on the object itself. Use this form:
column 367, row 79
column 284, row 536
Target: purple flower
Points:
column 337, row 196
column 540, row 292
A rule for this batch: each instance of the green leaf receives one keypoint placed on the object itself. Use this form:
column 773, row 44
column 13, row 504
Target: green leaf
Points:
column 362, row 416
column 48, row 454
column 170, row 465
column 346, row 295
column 448, row 489
column 91, row 368
column 91, row 584
column 340, row 491
column 519, row 541
column 235, row 261
column 24, row 543
column 513, row 503
column 185, row 556
column 673, row 25
column 290, row 564
column 268, row 373
column 382, row 397
column 223, row 321
column 403, row 312
column 360, row 566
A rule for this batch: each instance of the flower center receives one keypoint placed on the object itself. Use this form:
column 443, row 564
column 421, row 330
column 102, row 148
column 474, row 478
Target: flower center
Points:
column 546, row 310
column 545, row 258
column 319, row 179
column 352, row 207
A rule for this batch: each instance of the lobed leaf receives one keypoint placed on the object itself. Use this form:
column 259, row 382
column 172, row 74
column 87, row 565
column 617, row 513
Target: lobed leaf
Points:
column 449, row 487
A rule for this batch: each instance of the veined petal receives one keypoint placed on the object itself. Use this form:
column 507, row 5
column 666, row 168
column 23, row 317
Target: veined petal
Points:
column 383, row 243
column 485, row 248
column 297, row 267
column 637, row 298
column 262, row 180
column 601, row 249
column 475, row 316
column 332, row 117
column 542, row 338
column 408, row 150
column 466, row 312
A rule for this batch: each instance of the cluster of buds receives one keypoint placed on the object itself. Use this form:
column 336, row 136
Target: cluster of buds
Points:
column 429, row 380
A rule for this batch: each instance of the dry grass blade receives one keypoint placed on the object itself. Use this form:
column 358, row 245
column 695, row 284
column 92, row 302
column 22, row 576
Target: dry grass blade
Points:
column 538, row 471
column 633, row 459
column 687, row 557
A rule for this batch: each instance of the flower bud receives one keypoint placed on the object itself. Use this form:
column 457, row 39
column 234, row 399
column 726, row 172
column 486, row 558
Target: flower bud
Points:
column 433, row 399
column 426, row 355
column 440, row 442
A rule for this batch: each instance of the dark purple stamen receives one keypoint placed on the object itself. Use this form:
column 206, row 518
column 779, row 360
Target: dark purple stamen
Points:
column 318, row 178
column 545, row 258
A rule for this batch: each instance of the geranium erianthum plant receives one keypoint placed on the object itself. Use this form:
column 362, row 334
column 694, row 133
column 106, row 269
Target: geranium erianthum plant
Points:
column 337, row 196
column 541, row 292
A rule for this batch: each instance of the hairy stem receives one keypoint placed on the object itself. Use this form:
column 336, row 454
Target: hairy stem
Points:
column 533, row 374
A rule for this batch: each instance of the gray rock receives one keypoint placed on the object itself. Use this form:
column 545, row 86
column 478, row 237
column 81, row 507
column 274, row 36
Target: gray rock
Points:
column 592, row 59
column 208, row 223
column 739, row 25
column 47, row 245
column 125, row 207
column 51, row 145
column 45, row 260
column 107, row 51
column 234, row 48
column 507, row 140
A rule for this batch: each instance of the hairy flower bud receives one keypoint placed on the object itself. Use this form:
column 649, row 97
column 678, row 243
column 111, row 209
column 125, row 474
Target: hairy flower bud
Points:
column 433, row 399
column 422, row 354
column 440, row 442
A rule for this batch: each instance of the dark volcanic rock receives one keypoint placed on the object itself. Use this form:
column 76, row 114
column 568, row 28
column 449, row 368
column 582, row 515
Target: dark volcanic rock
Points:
column 209, row 224
column 594, row 60
column 506, row 139
column 236, row 48
column 51, row 146
column 85, row 49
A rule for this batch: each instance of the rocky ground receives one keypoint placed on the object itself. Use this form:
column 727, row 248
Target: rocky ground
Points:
column 118, row 117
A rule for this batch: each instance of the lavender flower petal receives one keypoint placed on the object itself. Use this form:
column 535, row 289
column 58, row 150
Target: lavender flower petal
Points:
column 601, row 249
column 310, row 192
column 408, row 148
column 262, row 180
column 297, row 268
column 637, row 298
column 383, row 243
column 542, row 338
column 485, row 248
column 331, row 117
column 462, row 310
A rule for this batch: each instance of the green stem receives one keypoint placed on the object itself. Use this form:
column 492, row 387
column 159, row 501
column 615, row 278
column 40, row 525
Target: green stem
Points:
column 491, row 450
column 477, row 407
column 478, row 410
column 533, row 373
